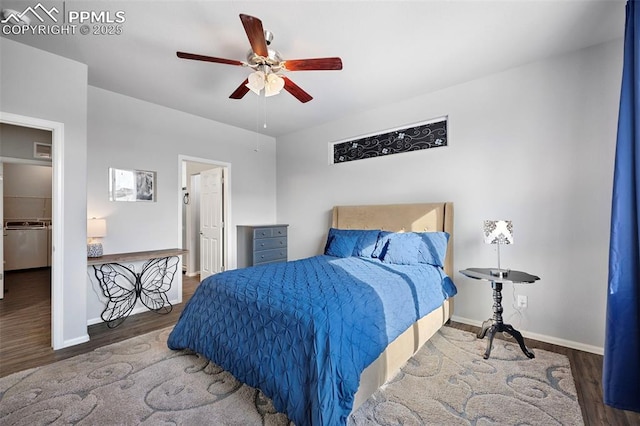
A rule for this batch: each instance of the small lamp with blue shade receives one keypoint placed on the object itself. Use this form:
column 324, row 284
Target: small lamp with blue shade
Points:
column 498, row 232
column 96, row 228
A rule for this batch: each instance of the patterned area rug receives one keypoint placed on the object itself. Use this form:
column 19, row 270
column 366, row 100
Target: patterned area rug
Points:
column 140, row 381
column 449, row 383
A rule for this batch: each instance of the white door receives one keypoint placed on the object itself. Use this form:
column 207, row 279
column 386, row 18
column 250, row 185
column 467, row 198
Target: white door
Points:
column 3, row 232
column 211, row 225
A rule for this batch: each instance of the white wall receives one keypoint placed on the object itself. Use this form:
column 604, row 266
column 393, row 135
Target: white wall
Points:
column 18, row 142
column 42, row 85
column 27, row 191
column 128, row 133
column 533, row 144
column 27, row 180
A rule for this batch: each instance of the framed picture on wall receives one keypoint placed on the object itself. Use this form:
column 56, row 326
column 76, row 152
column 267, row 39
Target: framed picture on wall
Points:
column 132, row 185
column 410, row 138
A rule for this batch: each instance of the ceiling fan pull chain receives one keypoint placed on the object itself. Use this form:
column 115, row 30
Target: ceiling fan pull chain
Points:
column 265, row 112
column 257, row 121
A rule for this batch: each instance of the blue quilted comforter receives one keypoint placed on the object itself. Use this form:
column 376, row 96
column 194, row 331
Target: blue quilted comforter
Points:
column 303, row 331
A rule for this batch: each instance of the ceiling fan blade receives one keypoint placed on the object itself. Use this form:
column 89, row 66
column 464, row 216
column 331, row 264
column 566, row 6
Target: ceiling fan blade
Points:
column 296, row 91
column 240, row 91
column 255, row 33
column 315, row 64
column 195, row 57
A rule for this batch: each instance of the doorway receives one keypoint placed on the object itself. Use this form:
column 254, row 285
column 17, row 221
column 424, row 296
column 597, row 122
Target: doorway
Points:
column 26, row 213
column 39, row 155
column 25, row 203
column 205, row 207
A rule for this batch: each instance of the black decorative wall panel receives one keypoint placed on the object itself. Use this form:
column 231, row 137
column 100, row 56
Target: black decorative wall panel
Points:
column 414, row 138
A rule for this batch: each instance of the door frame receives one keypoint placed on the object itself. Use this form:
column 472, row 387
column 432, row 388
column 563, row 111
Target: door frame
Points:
column 3, row 230
column 190, row 224
column 57, row 223
column 226, row 200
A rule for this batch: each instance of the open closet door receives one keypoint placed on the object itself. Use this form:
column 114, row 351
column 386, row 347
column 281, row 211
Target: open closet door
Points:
column 211, row 225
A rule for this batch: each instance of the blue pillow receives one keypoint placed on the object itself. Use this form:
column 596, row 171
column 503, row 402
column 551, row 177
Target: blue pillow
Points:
column 330, row 235
column 341, row 245
column 383, row 237
column 433, row 247
column 366, row 243
column 402, row 248
column 365, row 240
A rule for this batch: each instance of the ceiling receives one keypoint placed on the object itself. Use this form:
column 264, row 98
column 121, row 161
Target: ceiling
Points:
column 391, row 51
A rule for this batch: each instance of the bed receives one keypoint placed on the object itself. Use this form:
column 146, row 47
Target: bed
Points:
column 319, row 335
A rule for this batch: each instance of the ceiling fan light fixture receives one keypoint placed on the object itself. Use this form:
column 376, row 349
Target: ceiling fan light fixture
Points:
column 256, row 82
column 273, row 85
column 270, row 82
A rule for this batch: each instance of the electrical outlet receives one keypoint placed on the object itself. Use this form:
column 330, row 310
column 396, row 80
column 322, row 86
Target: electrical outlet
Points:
column 522, row 301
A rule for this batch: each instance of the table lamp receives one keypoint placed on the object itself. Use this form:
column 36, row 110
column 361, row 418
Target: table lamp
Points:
column 96, row 228
column 498, row 232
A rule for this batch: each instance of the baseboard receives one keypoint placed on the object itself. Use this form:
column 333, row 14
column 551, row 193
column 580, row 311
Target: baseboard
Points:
column 541, row 337
column 76, row 341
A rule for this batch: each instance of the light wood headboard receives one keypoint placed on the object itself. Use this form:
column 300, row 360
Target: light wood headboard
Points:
column 400, row 217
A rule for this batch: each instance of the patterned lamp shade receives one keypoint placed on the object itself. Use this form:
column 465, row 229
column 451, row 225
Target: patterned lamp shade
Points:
column 498, row 232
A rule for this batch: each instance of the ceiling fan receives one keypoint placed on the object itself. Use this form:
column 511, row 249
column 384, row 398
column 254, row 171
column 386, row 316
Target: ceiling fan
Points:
column 267, row 64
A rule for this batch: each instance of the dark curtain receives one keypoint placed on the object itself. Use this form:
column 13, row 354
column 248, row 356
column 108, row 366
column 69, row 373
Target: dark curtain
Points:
column 621, row 373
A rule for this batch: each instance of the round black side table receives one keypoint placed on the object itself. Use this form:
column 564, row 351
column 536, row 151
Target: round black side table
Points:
column 495, row 324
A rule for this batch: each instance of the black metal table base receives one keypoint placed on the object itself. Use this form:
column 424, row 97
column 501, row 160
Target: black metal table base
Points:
column 489, row 328
column 122, row 287
column 495, row 325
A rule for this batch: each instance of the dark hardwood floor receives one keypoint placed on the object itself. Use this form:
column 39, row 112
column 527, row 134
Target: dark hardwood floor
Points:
column 25, row 340
column 25, row 322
